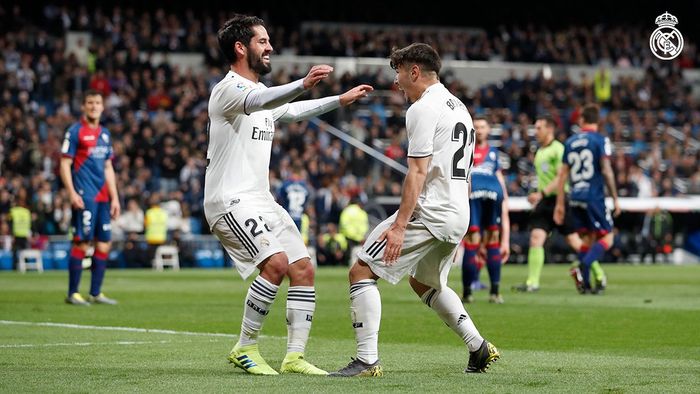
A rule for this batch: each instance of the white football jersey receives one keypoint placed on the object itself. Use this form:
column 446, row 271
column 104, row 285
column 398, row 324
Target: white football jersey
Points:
column 238, row 156
column 439, row 125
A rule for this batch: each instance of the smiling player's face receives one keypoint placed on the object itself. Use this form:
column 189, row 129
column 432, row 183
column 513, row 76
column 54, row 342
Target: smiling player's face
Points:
column 259, row 51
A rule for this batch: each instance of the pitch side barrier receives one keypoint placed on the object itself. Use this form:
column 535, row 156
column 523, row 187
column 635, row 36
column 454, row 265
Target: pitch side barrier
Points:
column 627, row 204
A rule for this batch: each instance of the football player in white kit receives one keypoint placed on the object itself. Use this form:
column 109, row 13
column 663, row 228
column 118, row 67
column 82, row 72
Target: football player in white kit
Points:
column 255, row 230
column 421, row 238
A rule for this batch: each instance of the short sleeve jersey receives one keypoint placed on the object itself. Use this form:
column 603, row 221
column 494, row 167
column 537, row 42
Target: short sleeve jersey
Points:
column 439, row 125
column 548, row 160
column 89, row 147
column 483, row 175
column 583, row 153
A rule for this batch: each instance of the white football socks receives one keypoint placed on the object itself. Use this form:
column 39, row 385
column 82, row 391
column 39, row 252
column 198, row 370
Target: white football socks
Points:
column 261, row 294
column 450, row 309
column 366, row 313
column 301, row 303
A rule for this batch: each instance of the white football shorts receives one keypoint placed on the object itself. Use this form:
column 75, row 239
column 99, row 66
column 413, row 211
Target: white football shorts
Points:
column 254, row 230
column 423, row 256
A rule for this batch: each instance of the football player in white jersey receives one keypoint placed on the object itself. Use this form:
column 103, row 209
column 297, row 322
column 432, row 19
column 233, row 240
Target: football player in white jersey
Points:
column 421, row 238
column 239, row 207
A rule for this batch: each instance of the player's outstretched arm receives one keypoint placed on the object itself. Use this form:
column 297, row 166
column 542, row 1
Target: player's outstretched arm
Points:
column 307, row 109
column 355, row 94
column 260, row 99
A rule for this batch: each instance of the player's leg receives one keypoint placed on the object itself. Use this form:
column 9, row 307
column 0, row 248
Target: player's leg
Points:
column 301, row 304
column 470, row 266
column 494, row 260
column 103, row 236
column 535, row 260
column 470, row 270
column 366, row 314
column 541, row 223
column 301, row 295
column 429, row 282
column 251, row 244
column 83, row 226
column 602, row 238
column 365, row 301
column 575, row 242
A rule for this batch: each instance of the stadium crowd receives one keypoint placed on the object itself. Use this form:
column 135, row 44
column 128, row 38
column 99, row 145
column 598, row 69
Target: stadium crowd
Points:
column 157, row 113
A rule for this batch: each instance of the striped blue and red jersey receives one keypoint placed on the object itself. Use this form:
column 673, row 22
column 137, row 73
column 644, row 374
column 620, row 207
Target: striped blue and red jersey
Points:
column 89, row 147
column 483, row 174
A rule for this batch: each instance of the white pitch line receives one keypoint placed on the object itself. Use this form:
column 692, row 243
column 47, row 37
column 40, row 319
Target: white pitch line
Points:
column 111, row 328
column 26, row 345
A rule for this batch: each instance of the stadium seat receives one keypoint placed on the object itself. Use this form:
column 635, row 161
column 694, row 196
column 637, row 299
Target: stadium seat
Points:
column 47, row 259
column 166, row 255
column 30, row 259
column 203, row 258
column 5, row 260
column 61, row 252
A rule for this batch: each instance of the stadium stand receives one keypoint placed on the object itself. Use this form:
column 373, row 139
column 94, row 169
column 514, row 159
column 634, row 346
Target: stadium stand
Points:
column 156, row 111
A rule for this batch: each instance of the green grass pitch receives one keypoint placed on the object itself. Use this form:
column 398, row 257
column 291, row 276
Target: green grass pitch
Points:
column 643, row 335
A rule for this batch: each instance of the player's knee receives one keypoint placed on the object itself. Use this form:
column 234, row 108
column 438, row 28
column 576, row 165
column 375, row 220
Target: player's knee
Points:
column 493, row 236
column 82, row 245
column 103, row 246
column 275, row 268
column 537, row 238
column 302, row 271
column 360, row 271
column 418, row 287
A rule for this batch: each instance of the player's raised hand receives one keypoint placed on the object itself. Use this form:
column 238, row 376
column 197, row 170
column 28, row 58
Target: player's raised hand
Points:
column 316, row 74
column 77, row 201
column 355, row 94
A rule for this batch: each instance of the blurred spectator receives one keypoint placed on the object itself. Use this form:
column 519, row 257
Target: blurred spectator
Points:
column 173, row 210
column 658, row 232
column 21, row 220
column 131, row 221
column 332, row 247
column 354, row 224
column 602, row 83
column 156, row 225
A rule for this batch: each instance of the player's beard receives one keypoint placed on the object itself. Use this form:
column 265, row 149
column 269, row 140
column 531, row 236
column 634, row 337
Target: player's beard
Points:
column 258, row 66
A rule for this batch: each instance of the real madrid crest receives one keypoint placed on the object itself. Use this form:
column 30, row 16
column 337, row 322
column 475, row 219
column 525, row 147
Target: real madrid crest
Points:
column 666, row 42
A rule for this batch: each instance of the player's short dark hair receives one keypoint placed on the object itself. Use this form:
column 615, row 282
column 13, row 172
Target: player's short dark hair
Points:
column 425, row 56
column 590, row 113
column 92, row 92
column 548, row 120
column 480, row 117
column 238, row 28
